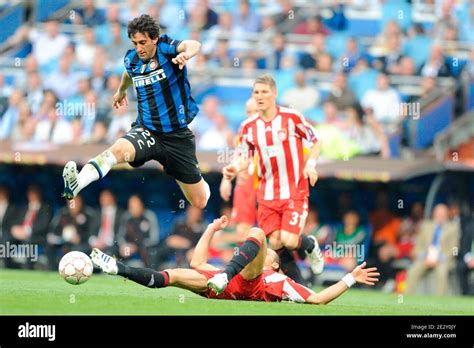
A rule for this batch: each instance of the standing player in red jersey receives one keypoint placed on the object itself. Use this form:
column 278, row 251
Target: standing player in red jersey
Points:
column 244, row 203
column 276, row 135
column 253, row 273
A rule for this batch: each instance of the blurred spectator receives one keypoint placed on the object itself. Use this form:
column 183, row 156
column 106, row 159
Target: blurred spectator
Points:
column 183, row 238
column 99, row 133
column 340, row 94
column 437, row 64
column 63, row 82
column 392, row 56
column 34, row 91
column 218, row 137
column 117, row 46
column 220, row 57
column 70, row 230
column 385, row 223
column 391, row 30
column 120, row 124
column 31, row 223
column 55, row 129
column 49, row 102
column 311, row 26
column 139, row 232
column 302, row 97
column 10, row 117
column 434, row 250
column 246, row 19
column 352, row 234
column 446, row 20
column 47, row 45
column 103, row 31
column 465, row 264
column 88, row 14
column 385, row 102
column 351, row 55
column 402, row 249
column 110, row 219
column 7, row 213
column 224, row 30
column 86, row 48
column 313, row 227
column 23, row 130
column 201, row 16
column 405, row 66
column 308, row 60
column 209, row 113
column 371, row 140
column 131, row 10
column 324, row 63
column 362, row 78
column 273, row 57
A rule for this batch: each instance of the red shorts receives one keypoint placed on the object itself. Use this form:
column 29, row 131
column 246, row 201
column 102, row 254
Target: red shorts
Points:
column 244, row 205
column 287, row 214
column 238, row 288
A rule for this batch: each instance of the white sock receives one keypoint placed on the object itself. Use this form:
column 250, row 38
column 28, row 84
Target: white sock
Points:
column 97, row 168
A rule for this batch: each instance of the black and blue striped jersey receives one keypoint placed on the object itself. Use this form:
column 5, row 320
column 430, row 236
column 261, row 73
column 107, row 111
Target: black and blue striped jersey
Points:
column 164, row 96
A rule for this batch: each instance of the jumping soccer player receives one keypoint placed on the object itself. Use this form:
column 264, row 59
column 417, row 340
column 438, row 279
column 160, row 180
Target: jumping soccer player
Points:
column 253, row 273
column 157, row 69
column 276, row 135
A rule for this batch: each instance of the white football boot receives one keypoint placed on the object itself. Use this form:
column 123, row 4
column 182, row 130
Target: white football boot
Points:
column 316, row 257
column 103, row 261
column 71, row 186
column 218, row 283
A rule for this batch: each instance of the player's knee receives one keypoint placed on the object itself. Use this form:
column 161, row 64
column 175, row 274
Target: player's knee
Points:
column 290, row 243
column 257, row 233
column 122, row 151
column 199, row 202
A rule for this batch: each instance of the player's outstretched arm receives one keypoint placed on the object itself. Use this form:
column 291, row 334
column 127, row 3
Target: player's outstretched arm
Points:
column 199, row 259
column 186, row 50
column 120, row 97
column 360, row 274
column 310, row 171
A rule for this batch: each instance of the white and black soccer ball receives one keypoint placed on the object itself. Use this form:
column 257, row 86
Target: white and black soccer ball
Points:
column 75, row 267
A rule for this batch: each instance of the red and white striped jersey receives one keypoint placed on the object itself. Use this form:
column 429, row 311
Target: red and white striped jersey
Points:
column 279, row 287
column 279, row 145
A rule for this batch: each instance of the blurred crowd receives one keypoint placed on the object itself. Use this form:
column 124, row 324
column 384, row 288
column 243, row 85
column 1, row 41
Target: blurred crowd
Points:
column 64, row 93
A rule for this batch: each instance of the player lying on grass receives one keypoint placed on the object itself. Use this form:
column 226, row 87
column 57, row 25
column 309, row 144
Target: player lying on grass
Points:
column 252, row 274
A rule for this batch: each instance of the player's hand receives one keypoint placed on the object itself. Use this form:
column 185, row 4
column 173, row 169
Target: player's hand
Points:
column 181, row 59
column 311, row 173
column 365, row 275
column 120, row 99
column 225, row 189
column 229, row 172
column 218, row 224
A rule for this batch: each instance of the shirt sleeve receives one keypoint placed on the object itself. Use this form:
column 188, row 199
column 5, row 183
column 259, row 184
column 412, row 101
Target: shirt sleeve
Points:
column 244, row 147
column 305, row 130
column 296, row 292
column 127, row 62
column 168, row 46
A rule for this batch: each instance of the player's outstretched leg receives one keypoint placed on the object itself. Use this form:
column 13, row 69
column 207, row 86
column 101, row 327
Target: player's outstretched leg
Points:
column 143, row 276
column 309, row 246
column 247, row 252
column 96, row 168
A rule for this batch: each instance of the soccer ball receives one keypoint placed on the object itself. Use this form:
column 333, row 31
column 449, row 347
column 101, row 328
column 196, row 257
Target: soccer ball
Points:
column 75, row 267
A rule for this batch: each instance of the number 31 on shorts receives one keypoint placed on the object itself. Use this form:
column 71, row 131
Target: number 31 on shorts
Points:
column 297, row 218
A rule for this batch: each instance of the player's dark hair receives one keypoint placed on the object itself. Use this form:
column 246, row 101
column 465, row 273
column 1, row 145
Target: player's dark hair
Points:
column 144, row 24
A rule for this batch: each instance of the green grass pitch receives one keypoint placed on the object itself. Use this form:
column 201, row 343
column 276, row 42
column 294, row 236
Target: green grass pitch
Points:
column 46, row 293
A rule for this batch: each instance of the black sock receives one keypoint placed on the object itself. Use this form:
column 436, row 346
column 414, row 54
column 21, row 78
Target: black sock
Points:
column 247, row 252
column 288, row 265
column 144, row 276
column 305, row 246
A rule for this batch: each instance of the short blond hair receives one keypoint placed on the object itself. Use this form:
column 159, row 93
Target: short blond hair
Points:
column 266, row 80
